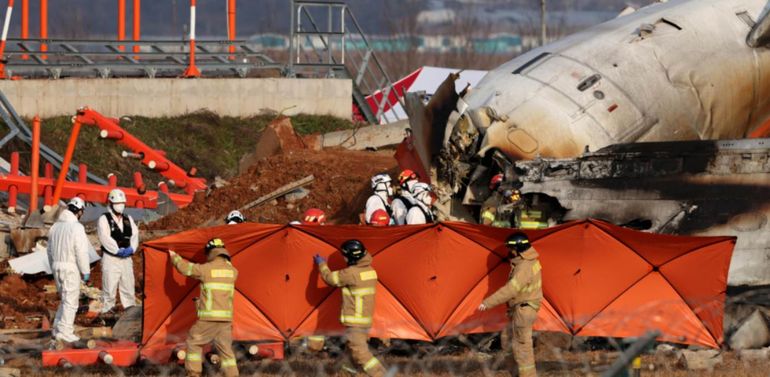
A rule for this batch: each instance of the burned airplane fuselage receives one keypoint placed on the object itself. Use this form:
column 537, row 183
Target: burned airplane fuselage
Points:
column 680, row 70
column 675, row 71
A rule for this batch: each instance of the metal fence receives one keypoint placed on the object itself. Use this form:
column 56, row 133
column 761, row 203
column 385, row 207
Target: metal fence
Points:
column 56, row 58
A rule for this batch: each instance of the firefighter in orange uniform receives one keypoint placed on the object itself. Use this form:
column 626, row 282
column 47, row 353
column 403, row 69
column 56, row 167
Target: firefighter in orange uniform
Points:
column 215, row 307
column 358, row 283
column 523, row 293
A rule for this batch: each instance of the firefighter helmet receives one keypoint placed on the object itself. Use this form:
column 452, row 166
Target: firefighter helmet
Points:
column 353, row 250
column 381, row 182
column 407, row 176
column 216, row 247
column 495, row 182
column 380, row 218
column 116, row 196
column 235, row 217
column 518, row 241
column 76, row 205
column 314, row 216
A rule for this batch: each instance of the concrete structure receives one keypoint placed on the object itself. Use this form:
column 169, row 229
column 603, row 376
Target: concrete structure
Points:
column 378, row 136
column 169, row 97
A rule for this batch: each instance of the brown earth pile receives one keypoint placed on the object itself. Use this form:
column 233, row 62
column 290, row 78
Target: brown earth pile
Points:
column 341, row 188
column 24, row 300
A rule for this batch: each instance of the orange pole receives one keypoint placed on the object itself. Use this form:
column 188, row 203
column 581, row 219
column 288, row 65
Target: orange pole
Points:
column 231, row 26
column 24, row 23
column 65, row 165
column 35, row 167
column 6, row 24
column 43, row 26
column 192, row 70
column 121, row 23
column 137, row 24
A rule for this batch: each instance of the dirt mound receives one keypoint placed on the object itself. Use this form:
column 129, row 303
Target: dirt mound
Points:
column 341, row 188
column 23, row 302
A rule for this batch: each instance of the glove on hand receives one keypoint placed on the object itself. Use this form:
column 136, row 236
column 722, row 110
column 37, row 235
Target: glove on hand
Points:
column 125, row 252
column 318, row 259
column 86, row 277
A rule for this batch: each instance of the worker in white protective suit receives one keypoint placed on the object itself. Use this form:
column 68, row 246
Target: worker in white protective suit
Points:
column 68, row 255
column 380, row 199
column 404, row 201
column 119, row 237
column 422, row 211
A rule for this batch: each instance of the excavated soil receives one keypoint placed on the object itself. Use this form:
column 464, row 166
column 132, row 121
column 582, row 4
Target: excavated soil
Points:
column 24, row 299
column 341, row 188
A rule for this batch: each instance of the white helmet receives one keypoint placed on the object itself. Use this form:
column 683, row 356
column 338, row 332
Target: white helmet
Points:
column 76, row 204
column 116, row 196
column 381, row 182
column 421, row 191
column 235, row 217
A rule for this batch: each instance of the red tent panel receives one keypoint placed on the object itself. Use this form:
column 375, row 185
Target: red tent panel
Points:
column 437, row 262
column 374, row 238
column 587, row 269
column 598, row 280
column 650, row 304
column 391, row 319
column 705, row 296
column 657, row 249
column 174, row 325
column 250, row 323
column 278, row 276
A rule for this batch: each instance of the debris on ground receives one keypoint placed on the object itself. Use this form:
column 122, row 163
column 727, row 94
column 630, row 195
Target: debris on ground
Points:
column 701, row 360
column 753, row 333
column 277, row 138
column 129, row 326
column 340, row 188
column 25, row 240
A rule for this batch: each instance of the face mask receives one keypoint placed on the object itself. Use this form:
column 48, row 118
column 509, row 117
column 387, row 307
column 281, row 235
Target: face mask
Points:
column 390, row 190
column 119, row 207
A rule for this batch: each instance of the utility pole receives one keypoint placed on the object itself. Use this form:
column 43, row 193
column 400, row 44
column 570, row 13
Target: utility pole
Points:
column 543, row 23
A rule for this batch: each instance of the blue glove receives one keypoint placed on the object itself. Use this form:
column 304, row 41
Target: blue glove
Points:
column 318, row 259
column 86, row 277
column 125, row 252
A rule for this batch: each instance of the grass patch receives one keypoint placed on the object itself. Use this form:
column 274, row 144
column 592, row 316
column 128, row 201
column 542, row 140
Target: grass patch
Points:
column 213, row 144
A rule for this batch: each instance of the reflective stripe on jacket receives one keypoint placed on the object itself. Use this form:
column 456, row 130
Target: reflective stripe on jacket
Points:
column 359, row 285
column 525, row 284
column 217, row 278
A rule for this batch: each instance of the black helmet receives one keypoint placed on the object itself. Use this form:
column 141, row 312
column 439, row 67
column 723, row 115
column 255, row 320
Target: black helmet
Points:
column 353, row 250
column 518, row 241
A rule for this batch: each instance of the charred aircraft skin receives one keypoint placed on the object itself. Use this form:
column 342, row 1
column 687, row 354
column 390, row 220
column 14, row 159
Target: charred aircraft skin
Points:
column 679, row 71
column 692, row 188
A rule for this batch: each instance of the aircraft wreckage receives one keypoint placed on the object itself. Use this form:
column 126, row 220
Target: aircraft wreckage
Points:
column 619, row 122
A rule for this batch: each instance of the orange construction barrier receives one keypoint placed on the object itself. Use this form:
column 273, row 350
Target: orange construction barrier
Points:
column 598, row 280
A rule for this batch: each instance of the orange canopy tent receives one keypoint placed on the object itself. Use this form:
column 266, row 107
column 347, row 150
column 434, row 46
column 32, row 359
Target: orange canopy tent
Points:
column 598, row 280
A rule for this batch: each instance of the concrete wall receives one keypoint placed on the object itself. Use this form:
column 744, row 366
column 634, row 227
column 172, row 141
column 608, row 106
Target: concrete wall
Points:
column 165, row 97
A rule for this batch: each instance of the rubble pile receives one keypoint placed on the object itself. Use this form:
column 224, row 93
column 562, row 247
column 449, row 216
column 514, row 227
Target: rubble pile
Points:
column 340, row 188
column 24, row 303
